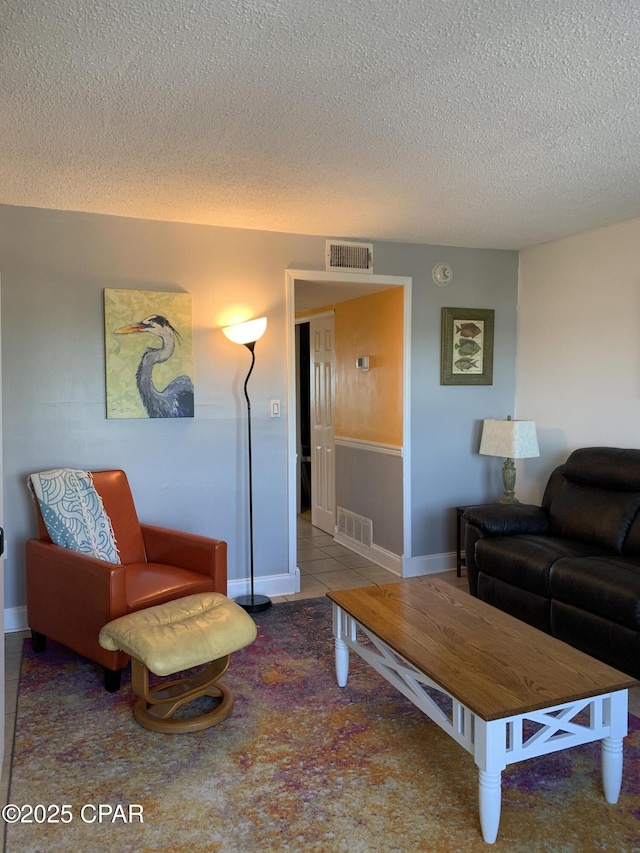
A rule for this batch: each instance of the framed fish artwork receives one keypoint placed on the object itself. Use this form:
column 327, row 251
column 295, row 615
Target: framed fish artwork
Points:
column 467, row 346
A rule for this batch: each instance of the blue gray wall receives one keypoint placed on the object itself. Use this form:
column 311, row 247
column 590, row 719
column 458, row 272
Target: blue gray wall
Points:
column 186, row 473
column 446, row 420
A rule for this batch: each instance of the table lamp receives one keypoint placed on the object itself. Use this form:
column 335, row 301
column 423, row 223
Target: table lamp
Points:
column 512, row 440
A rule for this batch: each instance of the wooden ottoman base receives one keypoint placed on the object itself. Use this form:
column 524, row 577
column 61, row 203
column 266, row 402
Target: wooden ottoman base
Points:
column 195, row 631
column 155, row 706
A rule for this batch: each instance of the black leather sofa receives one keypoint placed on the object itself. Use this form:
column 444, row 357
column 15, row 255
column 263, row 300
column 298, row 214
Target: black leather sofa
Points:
column 570, row 567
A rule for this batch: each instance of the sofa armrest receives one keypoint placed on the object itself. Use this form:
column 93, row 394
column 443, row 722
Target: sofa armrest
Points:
column 508, row 519
column 498, row 520
column 187, row 551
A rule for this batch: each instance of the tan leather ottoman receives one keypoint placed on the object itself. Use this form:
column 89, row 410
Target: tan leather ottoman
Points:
column 179, row 635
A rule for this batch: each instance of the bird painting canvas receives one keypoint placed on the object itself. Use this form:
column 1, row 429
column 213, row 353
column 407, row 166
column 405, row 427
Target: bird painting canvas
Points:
column 149, row 359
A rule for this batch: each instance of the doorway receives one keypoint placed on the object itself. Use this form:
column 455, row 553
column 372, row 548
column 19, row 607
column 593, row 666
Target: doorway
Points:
column 321, row 426
column 315, row 365
column 328, row 288
column 303, row 418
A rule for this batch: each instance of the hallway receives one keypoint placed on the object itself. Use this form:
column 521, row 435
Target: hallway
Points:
column 326, row 565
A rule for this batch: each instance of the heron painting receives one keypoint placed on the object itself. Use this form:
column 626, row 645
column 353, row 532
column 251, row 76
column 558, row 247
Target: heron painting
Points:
column 149, row 363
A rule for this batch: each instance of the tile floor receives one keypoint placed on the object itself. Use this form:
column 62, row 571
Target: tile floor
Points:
column 323, row 566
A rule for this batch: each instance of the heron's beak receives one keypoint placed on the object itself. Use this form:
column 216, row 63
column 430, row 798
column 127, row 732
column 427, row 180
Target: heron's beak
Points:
column 126, row 330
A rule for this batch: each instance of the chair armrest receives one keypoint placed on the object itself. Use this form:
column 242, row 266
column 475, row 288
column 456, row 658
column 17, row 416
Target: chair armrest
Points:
column 71, row 595
column 508, row 519
column 187, row 551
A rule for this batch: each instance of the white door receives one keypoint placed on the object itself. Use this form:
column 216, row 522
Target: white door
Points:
column 322, row 345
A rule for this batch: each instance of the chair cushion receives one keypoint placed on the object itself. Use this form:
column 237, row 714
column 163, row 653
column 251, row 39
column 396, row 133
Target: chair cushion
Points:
column 525, row 561
column 148, row 584
column 181, row 634
column 524, row 605
column 606, row 586
column 597, row 636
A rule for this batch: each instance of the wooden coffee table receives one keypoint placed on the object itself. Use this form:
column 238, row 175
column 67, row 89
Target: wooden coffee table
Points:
column 500, row 688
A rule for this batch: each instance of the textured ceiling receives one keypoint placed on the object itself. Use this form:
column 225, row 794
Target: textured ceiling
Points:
column 493, row 123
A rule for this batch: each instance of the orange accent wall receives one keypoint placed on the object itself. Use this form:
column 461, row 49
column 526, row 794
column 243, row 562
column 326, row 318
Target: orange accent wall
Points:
column 368, row 404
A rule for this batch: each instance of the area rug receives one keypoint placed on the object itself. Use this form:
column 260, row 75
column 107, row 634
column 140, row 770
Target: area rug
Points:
column 300, row 765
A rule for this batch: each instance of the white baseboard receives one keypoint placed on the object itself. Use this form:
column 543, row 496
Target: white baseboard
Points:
column 375, row 553
column 15, row 618
column 429, row 564
column 271, row 585
column 404, row 567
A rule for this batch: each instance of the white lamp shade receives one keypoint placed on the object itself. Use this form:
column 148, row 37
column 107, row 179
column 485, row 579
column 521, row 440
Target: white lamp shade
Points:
column 246, row 333
column 509, row 439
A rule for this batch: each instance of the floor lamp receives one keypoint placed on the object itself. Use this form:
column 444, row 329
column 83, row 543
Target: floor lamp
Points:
column 248, row 333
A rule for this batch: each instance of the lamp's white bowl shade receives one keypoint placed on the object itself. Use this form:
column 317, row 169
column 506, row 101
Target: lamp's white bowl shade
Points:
column 246, row 333
column 509, row 439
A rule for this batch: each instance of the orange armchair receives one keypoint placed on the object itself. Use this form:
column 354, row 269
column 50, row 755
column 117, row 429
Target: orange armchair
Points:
column 70, row 595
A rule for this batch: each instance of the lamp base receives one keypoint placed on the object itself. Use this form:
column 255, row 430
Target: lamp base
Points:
column 253, row 603
column 509, row 482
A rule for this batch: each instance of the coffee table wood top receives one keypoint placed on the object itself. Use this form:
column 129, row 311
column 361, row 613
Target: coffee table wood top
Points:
column 491, row 662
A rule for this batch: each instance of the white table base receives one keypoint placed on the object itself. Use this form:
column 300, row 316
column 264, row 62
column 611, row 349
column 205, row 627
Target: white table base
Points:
column 494, row 743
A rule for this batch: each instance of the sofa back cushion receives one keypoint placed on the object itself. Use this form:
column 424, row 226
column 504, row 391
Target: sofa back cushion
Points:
column 607, row 467
column 599, row 497
column 594, row 515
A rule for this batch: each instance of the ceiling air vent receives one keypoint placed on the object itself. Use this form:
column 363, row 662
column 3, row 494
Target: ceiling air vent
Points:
column 349, row 257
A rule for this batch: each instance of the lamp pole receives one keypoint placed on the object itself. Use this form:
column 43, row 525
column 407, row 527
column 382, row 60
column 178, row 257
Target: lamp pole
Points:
column 252, row 603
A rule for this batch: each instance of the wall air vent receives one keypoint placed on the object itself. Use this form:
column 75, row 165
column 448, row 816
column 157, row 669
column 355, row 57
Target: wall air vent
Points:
column 349, row 257
column 355, row 527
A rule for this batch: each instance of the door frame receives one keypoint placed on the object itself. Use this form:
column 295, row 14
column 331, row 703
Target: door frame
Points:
column 317, row 277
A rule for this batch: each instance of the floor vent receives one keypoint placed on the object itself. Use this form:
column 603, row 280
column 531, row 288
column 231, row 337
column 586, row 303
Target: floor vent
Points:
column 355, row 527
column 349, row 257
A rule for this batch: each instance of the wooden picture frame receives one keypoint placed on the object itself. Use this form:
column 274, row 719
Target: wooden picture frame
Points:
column 467, row 346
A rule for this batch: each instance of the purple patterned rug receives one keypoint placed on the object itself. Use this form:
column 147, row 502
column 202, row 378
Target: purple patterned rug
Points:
column 300, row 765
